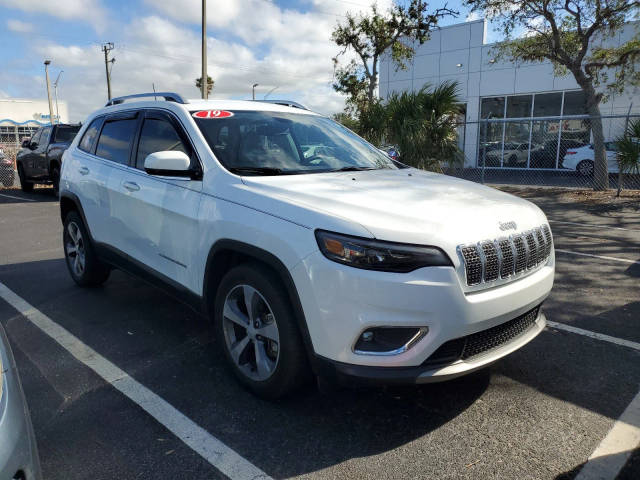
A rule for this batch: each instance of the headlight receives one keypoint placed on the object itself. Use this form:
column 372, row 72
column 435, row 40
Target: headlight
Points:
column 379, row 255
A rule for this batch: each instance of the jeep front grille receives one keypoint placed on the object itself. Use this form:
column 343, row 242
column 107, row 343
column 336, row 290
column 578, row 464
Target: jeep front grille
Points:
column 503, row 258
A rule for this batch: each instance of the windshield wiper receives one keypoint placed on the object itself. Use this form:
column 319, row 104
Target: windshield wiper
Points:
column 257, row 170
column 352, row 169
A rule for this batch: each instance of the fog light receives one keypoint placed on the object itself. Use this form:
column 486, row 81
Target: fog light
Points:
column 388, row 340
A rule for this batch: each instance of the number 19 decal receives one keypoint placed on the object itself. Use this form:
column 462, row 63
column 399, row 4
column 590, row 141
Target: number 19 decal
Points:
column 212, row 114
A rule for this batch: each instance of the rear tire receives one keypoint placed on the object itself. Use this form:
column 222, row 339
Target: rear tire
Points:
column 25, row 186
column 255, row 325
column 83, row 263
column 585, row 168
column 55, row 180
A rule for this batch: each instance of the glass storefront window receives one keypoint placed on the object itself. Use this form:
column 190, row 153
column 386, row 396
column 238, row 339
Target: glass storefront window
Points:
column 516, row 144
column 491, row 144
column 574, row 103
column 544, row 143
column 519, row 106
column 547, row 104
column 492, row 107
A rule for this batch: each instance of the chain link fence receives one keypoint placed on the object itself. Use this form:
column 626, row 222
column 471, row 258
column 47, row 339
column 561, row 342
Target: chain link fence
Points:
column 540, row 151
column 11, row 138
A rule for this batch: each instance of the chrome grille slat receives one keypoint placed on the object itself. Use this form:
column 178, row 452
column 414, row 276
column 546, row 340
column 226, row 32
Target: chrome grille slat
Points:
column 506, row 251
column 491, row 269
column 473, row 264
column 490, row 261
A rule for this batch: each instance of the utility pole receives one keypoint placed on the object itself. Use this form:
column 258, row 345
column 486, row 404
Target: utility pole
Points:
column 253, row 90
column 46, row 73
column 55, row 92
column 204, row 84
column 106, row 48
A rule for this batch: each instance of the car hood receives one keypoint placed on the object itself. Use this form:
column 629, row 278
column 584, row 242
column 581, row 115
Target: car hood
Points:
column 406, row 205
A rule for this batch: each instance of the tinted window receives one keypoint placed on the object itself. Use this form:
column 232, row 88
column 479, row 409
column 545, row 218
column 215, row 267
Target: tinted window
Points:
column 493, row 107
column 66, row 134
column 519, row 106
column 44, row 139
column 158, row 136
column 115, row 140
column 90, row 135
column 547, row 104
column 36, row 136
column 574, row 103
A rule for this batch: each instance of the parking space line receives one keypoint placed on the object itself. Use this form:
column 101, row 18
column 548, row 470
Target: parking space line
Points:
column 612, row 454
column 606, row 227
column 603, row 257
column 195, row 437
column 598, row 336
column 17, row 198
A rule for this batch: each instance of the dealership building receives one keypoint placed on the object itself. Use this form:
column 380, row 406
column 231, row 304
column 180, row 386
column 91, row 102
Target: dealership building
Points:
column 20, row 117
column 533, row 115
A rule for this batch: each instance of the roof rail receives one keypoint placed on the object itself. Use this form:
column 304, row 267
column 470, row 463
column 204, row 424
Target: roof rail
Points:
column 168, row 96
column 286, row 103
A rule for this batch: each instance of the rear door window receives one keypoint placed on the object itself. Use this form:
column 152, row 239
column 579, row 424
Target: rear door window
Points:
column 115, row 140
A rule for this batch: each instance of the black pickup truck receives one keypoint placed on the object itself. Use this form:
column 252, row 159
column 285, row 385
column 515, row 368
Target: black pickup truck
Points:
column 40, row 158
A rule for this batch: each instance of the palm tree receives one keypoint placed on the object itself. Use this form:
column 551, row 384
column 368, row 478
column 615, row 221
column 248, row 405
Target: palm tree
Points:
column 423, row 125
column 628, row 152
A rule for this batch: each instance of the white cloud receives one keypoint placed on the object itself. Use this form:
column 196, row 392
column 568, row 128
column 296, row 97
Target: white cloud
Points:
column 19, row 26
column 250, row 41
column 89, row 11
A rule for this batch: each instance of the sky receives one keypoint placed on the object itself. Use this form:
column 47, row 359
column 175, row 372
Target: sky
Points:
column 280, row 44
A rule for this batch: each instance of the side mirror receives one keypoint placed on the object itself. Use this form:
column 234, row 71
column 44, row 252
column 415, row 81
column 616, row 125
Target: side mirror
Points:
column 33, row 145
column 168, row 164
column 26, row 143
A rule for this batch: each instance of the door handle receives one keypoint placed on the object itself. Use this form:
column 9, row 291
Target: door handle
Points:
column 83, row 170
column 131, row 186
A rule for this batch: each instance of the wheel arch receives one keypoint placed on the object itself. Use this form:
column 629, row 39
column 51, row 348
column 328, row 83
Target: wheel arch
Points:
column 70, row 202
column 227, row 253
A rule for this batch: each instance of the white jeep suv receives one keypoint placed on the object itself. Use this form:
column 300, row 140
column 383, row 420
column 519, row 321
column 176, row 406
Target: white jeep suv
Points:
column 343, row 263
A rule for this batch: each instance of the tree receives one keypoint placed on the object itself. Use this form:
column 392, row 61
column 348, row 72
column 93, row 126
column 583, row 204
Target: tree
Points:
column 575, row 35
column 423, row 125
column 369, row 36
column 210, row 83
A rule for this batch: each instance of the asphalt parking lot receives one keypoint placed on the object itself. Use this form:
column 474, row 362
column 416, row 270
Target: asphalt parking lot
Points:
column 540, row 413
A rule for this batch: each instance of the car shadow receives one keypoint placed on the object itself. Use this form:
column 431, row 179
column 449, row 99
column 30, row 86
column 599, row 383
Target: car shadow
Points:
column 9, row 195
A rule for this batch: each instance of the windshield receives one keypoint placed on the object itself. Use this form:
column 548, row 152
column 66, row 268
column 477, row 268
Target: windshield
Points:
column 66, row 134
column 273, row 143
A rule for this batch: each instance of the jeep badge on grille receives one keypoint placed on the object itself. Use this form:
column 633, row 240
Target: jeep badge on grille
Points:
column 507, row 226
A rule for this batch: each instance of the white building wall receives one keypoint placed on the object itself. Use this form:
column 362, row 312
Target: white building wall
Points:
column 20, row 110
column 458, row 52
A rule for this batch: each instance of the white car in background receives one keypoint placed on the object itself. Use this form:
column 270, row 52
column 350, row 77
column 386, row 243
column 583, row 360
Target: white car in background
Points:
column 581, row 159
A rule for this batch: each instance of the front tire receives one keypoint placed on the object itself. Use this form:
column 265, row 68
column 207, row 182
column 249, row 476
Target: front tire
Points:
column 25, row 186
column 83, row 264
column 254, row 322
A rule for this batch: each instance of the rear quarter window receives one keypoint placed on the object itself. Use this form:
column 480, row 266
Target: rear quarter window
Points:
column 90, row 135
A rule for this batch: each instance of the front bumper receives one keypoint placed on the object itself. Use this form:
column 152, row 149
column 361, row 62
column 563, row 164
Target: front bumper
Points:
column 18, row 452
column 340, row 302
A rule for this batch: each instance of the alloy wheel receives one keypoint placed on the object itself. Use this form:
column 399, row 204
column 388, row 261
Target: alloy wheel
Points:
column 75, row 249
column 251, row 332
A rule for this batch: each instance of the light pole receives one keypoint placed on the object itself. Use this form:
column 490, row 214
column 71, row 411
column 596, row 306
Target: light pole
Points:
column 46, row 74
column 253, row 90
column 106, row 48
column 55, row 93
column 204, row 82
